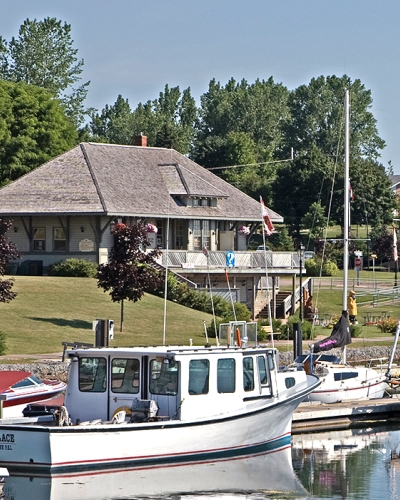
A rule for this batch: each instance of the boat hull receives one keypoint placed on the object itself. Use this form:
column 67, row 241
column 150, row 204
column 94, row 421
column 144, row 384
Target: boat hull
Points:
column 101, row 446
column 365, row 384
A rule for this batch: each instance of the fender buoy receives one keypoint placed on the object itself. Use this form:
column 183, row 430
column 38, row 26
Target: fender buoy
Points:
column 239, row 340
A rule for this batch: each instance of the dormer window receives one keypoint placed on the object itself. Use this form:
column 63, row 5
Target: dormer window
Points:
column 195, row 202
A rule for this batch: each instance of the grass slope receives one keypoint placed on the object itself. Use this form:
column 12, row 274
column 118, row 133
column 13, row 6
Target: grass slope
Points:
column 50, row 310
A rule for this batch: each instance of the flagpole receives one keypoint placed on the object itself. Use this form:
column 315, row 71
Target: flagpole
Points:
column 267, row 229
column 395, row 255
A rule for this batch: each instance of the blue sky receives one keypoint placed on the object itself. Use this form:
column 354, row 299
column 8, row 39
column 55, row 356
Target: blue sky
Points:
column 135, row 47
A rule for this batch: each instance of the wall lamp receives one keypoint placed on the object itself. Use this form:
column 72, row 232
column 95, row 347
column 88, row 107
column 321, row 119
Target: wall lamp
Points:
column 82, row 229
column 15, row 229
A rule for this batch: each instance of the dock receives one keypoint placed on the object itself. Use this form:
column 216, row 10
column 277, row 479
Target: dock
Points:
column 313, row 417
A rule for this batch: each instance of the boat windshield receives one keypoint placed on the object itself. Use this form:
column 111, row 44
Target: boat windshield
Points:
column 27, row 382
column 329, row 358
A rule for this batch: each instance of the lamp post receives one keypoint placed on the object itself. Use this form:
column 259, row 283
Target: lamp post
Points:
column 373, row 257
column 301, row 257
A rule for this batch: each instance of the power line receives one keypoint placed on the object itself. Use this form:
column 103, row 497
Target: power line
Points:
column 253, row 164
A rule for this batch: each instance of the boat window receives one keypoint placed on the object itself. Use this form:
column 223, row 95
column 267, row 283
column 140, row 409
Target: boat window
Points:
column 345, row 375
column 262, row 370
column 248, row 374
column 271, row 361
column 226, row 375
column 164, row 376
column 199, row 371
column 290, row 382
column 125, row 375
column 92, row 374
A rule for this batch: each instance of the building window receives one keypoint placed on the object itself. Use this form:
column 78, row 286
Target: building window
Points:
column 60, row 241
column 159, row 224
column 179, row 235
column 201, row 234
column 39, row 239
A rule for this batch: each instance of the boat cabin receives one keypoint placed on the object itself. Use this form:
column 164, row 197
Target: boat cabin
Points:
column 182, row 383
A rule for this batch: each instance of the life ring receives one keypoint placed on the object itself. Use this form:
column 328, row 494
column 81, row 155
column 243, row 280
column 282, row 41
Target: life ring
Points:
column 126, row 409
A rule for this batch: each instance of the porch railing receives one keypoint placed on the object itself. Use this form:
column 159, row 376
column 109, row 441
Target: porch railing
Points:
column 217, row 259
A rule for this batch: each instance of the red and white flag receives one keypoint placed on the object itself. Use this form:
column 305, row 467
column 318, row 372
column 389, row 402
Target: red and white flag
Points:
column 267, row 224
column 351, row 194
column 395, row 255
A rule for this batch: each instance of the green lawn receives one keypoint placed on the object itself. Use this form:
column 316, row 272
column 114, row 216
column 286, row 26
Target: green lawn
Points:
column 50, row 310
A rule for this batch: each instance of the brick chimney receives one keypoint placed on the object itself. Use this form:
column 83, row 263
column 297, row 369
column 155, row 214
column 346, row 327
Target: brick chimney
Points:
column 140, row 140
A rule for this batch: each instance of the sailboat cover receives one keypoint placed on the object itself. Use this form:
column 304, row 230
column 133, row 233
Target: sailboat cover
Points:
column 340, row 336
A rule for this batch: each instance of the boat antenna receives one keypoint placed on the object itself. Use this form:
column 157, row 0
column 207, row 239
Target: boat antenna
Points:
column 230, row 294
column 207, row 254
column 166, row 278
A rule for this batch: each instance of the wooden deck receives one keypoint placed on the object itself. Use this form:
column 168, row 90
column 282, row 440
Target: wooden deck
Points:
column 311, row 417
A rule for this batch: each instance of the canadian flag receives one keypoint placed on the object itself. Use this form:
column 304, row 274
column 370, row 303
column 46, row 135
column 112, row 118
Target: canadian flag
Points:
column 267, row 224
column 351, row 194
column 395, row 255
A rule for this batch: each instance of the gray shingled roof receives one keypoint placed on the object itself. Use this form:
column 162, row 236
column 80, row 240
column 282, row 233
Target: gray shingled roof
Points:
column 394, row 179
column 118, row 180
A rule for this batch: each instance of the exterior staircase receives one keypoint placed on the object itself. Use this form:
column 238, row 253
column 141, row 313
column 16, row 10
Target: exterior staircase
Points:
column 279, row 300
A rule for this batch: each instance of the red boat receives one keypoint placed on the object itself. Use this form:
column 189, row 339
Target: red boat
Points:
column 19, row 388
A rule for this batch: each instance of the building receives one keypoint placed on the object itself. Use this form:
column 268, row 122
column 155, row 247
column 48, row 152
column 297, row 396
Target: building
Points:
column 66, row 208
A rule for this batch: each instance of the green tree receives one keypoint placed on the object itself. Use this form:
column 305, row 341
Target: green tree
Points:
column 315, row 221
column 130, row 270
column 43, row 55
column 167, row 121
column 316, row 131
column 242, row 124
column 382, row 242
column 8, row 252
column 33, row 129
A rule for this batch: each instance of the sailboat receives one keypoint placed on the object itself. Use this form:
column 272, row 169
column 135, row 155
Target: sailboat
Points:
column 339, row 381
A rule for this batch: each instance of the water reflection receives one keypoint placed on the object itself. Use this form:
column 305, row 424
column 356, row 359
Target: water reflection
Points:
column 263, row 476
column 357, row 463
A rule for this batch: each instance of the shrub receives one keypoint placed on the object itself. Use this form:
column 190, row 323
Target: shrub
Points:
column 355, row 331
column 77, row 268
column 287, row 330
column 3, row 343
column 262, row 335
column 388, row 325
column 313, row 267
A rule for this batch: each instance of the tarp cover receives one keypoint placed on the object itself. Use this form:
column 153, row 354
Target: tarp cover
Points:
column 340, row 336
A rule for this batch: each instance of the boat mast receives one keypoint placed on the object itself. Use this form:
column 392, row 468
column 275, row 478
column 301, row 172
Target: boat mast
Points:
column 346, row 225
column 346, row 222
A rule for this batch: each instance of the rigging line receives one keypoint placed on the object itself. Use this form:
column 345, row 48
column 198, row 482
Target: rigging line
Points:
column 253, row 164
column 315, row 212
column 329, row 208
column 166, row 278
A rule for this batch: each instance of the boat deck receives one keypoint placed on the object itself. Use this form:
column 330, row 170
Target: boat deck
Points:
column 315, row 416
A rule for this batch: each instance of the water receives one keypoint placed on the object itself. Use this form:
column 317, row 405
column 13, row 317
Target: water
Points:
column 352, row 464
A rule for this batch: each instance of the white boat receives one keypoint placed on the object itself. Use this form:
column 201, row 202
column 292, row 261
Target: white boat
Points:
column 20, row 388
column 340, row 381
column 162, row 405
column 236, row 478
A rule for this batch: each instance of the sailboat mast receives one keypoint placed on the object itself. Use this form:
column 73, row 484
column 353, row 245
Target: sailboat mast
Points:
column 346, row 225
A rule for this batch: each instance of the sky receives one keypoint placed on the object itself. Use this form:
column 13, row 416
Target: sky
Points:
column 134, row 48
